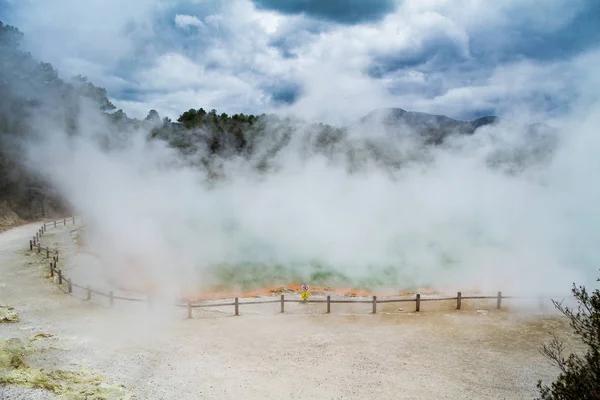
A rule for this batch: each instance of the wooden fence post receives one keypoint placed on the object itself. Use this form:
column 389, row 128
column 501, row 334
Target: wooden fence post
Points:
column 499, row 300
column 418, row 300
column 30, row 245
column 59, row 277
column 328, row 304
column 65, row 222
column 89, row 292
column 55, row 224
column 47, row 252
column 374, row 304
column 189, row 309
column 237, row 306
column 458, row 300
column 39, row 246
column 282, row 304
column 111, row 298
column 69, row 286
column 51, row 270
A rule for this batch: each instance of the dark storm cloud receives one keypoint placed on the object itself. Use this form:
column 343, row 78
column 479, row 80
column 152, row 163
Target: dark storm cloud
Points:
column 492, row 45
column 345, row 12
column 444, row 64
column 522, row 40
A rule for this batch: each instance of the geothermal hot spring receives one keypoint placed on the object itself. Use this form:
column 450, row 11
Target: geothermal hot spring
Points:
column 499, row 210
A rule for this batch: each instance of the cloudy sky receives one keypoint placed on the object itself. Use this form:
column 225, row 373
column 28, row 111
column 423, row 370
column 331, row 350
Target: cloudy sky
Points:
column 322, row 59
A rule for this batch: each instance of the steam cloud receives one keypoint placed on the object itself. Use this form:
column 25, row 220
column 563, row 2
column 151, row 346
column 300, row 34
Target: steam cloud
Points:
column 494, row 211
column 452, row 220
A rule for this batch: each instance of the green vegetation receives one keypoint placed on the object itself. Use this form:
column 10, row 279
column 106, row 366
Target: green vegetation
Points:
column 579, row 376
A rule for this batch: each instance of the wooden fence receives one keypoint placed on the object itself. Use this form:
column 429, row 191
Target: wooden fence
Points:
column 55, row 271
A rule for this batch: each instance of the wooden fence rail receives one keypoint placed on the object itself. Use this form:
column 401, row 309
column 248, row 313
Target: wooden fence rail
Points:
column 35, row 243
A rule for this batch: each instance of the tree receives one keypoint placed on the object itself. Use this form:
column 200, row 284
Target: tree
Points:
column 10, row 36
column 153, row 116
column 98, row 94
column 579, row 376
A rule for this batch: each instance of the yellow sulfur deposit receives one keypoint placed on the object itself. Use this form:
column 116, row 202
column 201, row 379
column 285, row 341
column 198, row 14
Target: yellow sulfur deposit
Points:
column 67, row 385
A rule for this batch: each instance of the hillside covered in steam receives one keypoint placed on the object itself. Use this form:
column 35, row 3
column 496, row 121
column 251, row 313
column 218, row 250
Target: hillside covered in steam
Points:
column 35, row 102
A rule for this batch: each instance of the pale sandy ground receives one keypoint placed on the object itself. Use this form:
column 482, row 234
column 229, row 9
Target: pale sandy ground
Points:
column 303, row 354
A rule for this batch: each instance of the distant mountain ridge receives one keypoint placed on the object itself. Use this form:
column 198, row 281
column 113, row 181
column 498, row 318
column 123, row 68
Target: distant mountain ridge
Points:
column 433, row 128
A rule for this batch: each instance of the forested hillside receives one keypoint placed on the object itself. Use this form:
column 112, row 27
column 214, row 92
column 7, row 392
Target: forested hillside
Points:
column 34, row 100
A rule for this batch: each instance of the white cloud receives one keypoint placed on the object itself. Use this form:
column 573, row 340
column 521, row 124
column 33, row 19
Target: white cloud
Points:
column 269, row 21
column 231, row 57
column 70, row 32
column 185, row 21
column 173, row 71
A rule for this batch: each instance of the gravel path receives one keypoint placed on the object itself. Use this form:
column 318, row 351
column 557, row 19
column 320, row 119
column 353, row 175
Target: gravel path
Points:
column 265, row 355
